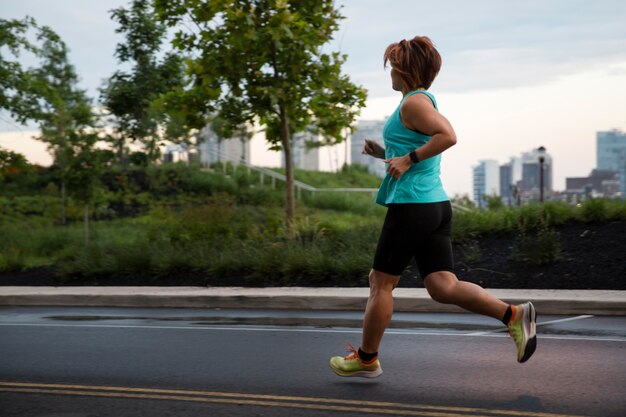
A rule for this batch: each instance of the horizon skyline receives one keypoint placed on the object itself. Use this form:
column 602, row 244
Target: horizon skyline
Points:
column 513, row 78
column 45, row 159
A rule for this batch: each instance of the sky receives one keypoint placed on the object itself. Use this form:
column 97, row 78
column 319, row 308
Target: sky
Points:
column 515, row 75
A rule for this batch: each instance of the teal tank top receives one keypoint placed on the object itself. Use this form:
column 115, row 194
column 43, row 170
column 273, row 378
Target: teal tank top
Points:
column 421, row 182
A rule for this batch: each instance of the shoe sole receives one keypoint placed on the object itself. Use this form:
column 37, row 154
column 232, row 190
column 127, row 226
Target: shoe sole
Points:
column 361, row 374
column 531, row 344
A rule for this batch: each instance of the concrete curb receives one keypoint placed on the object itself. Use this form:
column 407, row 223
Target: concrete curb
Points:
column 566, row 302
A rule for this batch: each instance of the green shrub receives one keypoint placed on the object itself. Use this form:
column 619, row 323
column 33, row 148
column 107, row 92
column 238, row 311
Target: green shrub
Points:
column 595, row 210
column 541, row 247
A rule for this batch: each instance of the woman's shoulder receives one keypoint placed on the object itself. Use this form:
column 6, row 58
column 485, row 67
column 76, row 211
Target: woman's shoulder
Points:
column 418, row 99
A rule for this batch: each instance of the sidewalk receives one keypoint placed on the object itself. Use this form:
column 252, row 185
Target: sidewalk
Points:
column 565, row 302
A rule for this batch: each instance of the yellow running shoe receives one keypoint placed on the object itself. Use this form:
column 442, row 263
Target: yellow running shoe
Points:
column 523, row 330
column 352, row 365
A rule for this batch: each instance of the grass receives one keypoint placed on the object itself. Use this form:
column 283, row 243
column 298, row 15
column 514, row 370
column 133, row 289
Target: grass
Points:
column 190, row 221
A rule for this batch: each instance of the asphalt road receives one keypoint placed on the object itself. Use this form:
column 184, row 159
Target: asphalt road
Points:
column 174, row 362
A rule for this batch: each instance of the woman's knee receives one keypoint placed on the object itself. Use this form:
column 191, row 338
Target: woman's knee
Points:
column 381, row 281
column 440, row 286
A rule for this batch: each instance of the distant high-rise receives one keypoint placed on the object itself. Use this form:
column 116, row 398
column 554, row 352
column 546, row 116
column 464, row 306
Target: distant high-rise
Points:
column 531, row 172
column 506, row 183
column 611, row 150
column 611, row 155
column 510, row 175
column 215, row 149
column 306, row 155
column 486, row 181
column 368, row 129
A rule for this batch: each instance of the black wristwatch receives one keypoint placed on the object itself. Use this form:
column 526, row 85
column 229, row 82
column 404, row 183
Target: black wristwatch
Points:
column 414, row 157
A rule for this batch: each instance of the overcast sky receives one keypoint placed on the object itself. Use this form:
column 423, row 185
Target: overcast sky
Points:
column 515, row 75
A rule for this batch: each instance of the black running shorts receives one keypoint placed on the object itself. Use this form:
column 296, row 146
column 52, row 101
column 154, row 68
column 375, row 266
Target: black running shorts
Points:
column 420, row 230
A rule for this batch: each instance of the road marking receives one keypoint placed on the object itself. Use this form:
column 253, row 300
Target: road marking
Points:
column 585, row 316
column 494, row 333
column 504, row 329
column 314, row 403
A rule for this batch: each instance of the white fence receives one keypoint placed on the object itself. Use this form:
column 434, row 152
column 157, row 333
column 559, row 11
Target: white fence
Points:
column 299, row 186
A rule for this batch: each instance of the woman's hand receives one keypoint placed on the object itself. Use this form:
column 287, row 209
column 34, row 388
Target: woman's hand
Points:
column 372, row 148
column 398, row 166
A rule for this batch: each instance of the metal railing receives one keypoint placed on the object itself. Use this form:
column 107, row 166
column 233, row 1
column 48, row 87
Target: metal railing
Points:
column 299, row 185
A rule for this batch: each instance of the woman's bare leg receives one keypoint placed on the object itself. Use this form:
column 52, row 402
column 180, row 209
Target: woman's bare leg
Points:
column 444, row 287
column 379, row 309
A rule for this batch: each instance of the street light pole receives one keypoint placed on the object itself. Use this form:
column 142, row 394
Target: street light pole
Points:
column 542, row 159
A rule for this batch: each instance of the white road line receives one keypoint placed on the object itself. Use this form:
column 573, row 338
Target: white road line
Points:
column 301, row 330
column 586, row 316
column 504, row 329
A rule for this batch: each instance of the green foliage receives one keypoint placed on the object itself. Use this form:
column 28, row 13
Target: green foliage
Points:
column 31, row 243
column 288, row 85
column 541, row 247
column 177, row 219
column 133, row 98
column 348, row 202
column 15, row 172
column 595, row 210
column 350, row 176
column 20, row 92
column 494, row 202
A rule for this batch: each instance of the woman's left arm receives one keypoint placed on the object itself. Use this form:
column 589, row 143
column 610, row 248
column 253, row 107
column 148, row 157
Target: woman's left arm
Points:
column 418, row 113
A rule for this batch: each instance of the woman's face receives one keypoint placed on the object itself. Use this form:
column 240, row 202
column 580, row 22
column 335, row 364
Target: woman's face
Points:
column 396, row 80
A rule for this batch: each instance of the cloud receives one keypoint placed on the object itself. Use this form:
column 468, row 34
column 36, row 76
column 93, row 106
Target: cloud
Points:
column 486, row 44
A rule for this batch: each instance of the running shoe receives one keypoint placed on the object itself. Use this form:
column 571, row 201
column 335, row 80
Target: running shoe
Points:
column 523, row 330
column 352, row 365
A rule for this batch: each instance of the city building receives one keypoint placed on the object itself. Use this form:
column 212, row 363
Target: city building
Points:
column 367, row 129
column 522, row 179
column 307, row 154
column 510, row 175
column 611, row 156
column 212, row 148
column 536, row 175
column 486, row 181
column 611, row 150
column 598, row 184
column 251, row 147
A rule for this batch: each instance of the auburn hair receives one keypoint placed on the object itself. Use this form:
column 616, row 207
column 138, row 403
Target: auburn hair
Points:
column 416, row 60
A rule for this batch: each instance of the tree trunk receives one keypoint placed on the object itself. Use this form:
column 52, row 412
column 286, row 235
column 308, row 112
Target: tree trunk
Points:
column 290, row 208
column 86, row 224
column 63, row 203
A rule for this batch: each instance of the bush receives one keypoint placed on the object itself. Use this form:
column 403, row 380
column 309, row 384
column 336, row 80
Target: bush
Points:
column 539, row 248
column 595, row 210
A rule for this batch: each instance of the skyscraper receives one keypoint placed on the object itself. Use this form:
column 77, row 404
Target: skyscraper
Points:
column 611, row 155
column 486, row 181
column 510, row 175
column 611, row 150
column 532, row 175
column 506, row 184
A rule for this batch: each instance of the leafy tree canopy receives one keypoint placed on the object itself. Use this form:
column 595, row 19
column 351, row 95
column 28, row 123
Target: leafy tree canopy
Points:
column 133, row 97
column 262, row 60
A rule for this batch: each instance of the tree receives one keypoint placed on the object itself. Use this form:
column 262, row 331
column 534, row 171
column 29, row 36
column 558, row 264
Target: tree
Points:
column 65, row 111
column 262, row 60
column 13, row 165
column 85, row 166
column 49, row 94
column 133, row 97
column 20, row 93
